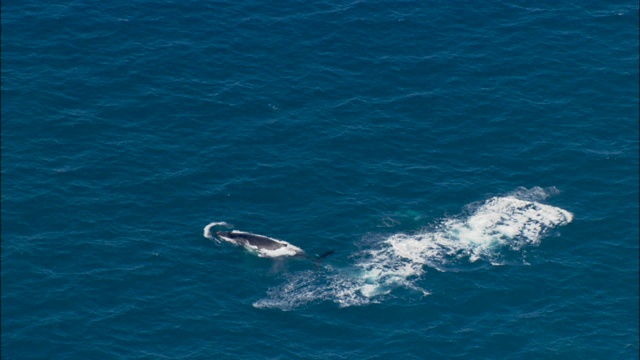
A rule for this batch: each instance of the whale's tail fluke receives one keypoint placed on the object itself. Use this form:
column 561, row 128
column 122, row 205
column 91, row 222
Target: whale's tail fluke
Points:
column 318, row 258
column 321, row 257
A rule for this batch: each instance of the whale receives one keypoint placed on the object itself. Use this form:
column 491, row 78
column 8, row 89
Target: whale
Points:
column 262, row 246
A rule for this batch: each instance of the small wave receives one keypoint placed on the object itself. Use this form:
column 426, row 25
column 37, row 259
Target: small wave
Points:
column 492, row 227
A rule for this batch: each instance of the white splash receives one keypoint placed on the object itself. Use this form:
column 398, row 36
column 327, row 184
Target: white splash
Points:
column 207, row 229
column 498, row 225
column 288, row 250
column 499, row 222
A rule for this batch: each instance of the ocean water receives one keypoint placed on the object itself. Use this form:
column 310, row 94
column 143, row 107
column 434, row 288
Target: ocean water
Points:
column 473, row 164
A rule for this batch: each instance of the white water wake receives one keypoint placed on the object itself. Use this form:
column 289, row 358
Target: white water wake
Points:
column 498, row 225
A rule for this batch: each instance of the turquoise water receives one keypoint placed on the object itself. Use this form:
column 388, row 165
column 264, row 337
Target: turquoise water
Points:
column 473, row 164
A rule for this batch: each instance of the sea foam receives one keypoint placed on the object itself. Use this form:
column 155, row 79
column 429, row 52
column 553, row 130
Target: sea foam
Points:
column 484, row 232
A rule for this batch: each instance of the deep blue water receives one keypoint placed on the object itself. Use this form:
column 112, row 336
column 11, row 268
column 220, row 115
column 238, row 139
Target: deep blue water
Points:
column 474, row 164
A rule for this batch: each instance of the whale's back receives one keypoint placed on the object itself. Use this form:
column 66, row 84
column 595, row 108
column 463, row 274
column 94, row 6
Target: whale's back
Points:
column 259, row 241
